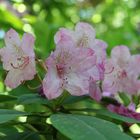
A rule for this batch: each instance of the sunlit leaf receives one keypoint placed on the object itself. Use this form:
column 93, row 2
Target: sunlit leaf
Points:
column 7, row 115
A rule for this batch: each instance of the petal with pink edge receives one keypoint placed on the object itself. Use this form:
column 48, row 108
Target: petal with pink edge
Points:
column 64, row 38
column 7, row 57
column 87, row 28
column 52, row 84
column 29, row 71
column 100, row 50
column 120, row 55
column 85, row 58
column 77, row 84
column 94, row 91
column 27, row 44
column 12, row 39
column 14, row 78
column 134, row 68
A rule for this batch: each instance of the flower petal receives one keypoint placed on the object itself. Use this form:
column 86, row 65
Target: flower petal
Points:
column 9, row 57
column 120, row 55
column 14, row 78
column 6, row 58
column 27, row 44
column 85, row 59
column 30, row 70
column 52, row 84
column 100, row 50
column 130, row 85
column 12, row 39
column 94, row 73
column 110, row 83
column 64, row 38
column 77, row 84
column 133, row 68
column 86, row 28
column 94, row 91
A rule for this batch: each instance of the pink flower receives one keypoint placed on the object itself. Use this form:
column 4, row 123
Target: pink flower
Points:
column 95, row 91
column 125, row 111
column 18, row 58
column 122, row 72
column 84, row 37
column 66, row 68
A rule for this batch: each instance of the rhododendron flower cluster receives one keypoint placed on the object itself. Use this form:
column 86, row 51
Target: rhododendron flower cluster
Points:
column 66, row 70
column 79, row 65
column 124, row 73
column 84, row 37
column 18, row 58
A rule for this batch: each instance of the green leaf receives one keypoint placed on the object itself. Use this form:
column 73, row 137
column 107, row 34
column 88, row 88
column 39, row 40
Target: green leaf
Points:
column 107, row 113
column 116, row 116
column 74, row 99
column 124, row 98
column 7, row 115
column 6, row 129
column 7, row 98
column 10, row 132
column 28, row 135
column 20, row 90
column 32, row 98
column 79, row 127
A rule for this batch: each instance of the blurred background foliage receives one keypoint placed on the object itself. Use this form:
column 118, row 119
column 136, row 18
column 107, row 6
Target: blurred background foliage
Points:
column 116, row 22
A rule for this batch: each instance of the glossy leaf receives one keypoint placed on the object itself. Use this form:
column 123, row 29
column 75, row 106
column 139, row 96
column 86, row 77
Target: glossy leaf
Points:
column 7, row 115
column 32, row 98
column 79, row 127
column 109, row 114
column 74, row 99
column 6, row 98
column 117, row 116
column 22, row 136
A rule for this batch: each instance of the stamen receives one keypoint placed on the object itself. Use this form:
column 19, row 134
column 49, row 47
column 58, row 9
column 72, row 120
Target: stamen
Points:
column 14, row 66
column 60, row 70
column 33, row 88
column 25, row 62
column 23, row 65
column 110, row 71
column 122, row 74
column 83, row 42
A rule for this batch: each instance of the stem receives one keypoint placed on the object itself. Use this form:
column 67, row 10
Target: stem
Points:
column 83, row 109
column 30, row 127
column 38, row 86
column 42, row 64
column 39, row 78
column 33, row 88
column 60, row 100
column 50, row 108
column 100, row 86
